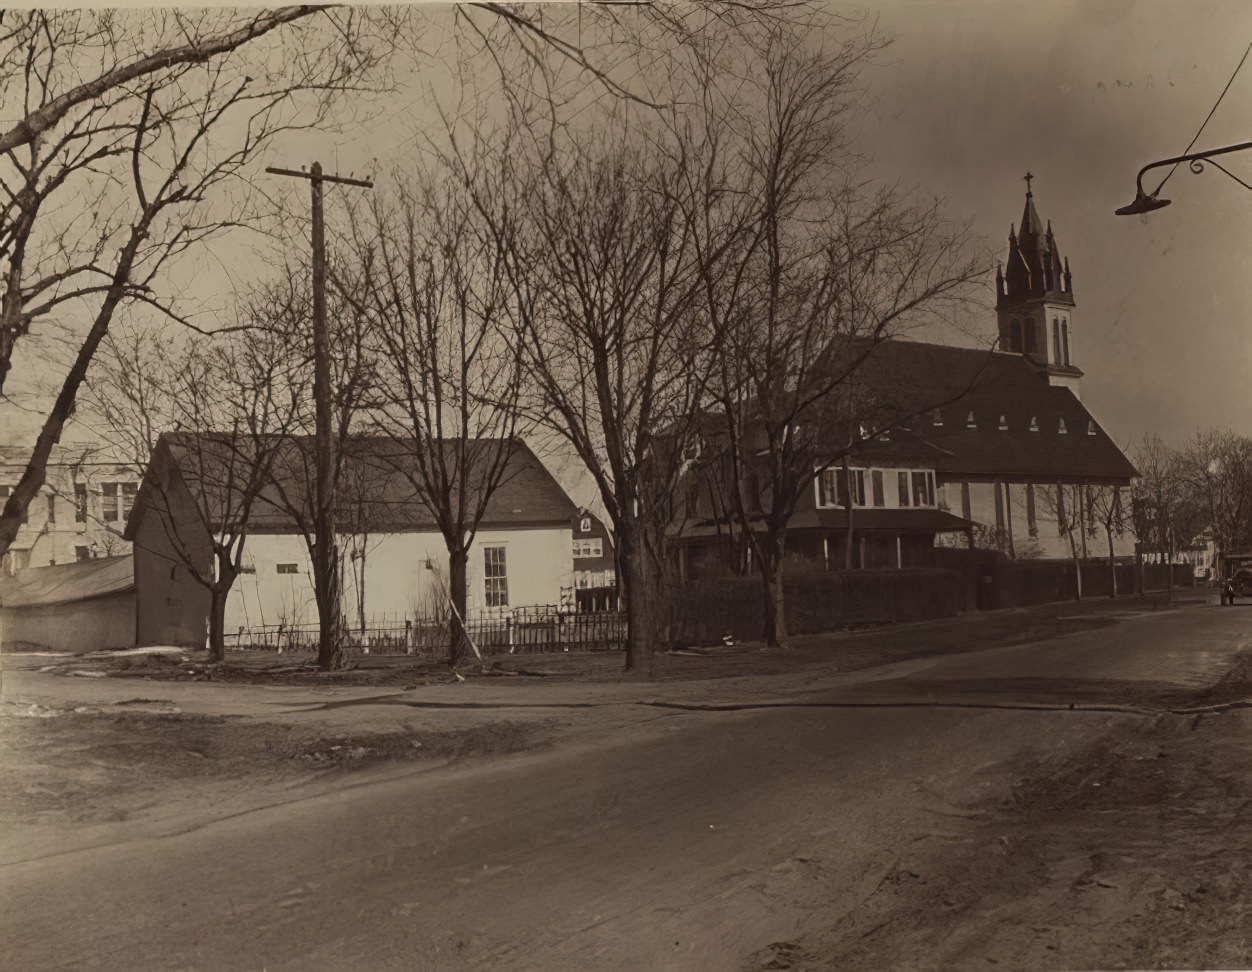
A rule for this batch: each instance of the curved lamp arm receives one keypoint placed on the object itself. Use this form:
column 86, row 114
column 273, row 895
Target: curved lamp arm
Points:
column 1145, row 203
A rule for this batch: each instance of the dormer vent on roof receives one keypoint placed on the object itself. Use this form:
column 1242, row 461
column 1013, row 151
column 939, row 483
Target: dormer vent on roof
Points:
column 1060, row 428
column 1004, row 424
column 969, row 421
column 1034, row 423
column 937, row 419
column 1091, row 429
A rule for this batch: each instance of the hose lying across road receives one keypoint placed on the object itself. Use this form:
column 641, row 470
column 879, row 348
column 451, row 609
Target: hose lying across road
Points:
column 1019, row 706
column 747, row 706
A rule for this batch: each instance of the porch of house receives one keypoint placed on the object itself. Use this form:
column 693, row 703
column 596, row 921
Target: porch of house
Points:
column 815, row 550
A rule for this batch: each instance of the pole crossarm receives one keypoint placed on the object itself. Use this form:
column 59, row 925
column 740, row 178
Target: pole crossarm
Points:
column 320, row 176
column 1147, row 202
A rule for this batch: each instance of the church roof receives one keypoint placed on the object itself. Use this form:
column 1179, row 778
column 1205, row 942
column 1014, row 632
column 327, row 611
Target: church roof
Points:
column 989, row 414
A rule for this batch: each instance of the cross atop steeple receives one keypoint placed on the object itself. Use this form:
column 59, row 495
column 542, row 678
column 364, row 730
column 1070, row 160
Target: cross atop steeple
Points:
column 1028, row 176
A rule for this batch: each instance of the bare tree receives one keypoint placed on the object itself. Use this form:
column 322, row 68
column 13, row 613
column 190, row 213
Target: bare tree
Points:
column 430, row 278
column 1108, row 509
column 1069, row 505
column 133, row 133
column 206, row 417
column 1168, row 511
column 130, row 133
column 1216, row 466
column 601, row 262
column 806, row 268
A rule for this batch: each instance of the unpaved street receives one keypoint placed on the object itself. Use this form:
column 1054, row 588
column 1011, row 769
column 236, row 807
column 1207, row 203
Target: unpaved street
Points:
column 952, row 812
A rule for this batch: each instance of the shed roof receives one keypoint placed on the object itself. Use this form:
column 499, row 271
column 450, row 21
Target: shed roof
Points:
column 64, row 583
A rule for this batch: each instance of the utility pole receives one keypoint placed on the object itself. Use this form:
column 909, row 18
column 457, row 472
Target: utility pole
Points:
column 325, row 555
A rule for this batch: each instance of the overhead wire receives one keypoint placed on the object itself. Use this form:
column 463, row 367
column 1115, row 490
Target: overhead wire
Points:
column 1212, row 110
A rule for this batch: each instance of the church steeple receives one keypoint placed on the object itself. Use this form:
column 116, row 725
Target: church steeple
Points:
column 1034, row 260
column 1035, row 297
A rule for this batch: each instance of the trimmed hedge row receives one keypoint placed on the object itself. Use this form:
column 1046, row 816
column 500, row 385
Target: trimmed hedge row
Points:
column 828, row 601
column 818, row 602
column 1025, row 583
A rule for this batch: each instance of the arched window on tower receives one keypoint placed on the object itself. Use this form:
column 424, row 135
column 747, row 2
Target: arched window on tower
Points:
column 1056, row 340
column 1030, row 345
column 1015, row 336
column 1065, row 338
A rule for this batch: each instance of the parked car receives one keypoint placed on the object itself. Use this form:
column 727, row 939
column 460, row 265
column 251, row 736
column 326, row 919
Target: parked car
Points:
column 1236, row 577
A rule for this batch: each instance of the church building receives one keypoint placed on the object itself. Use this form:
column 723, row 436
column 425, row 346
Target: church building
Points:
column 992, row 448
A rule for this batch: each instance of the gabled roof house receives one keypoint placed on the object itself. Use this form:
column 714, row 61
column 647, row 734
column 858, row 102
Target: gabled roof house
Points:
column 393, row 558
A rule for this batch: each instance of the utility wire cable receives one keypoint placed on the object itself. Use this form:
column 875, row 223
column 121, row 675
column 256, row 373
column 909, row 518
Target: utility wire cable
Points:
column 1206, row 120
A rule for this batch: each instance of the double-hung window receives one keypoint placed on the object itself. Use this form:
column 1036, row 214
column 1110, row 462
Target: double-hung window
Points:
column 495, row 577
column 592, row 547
column 834, row 489
column 877, row 490
column 923, row 488
column 116, row 501
column 109, row 508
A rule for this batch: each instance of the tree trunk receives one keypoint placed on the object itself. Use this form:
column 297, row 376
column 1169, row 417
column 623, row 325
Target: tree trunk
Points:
column 330, row 654
column 647, row 604
column 1073, row 549
column 773, row 547
column 458, row 596
column 218, row 593
column 217, row 623
column 647, row 621
column 1112, row 563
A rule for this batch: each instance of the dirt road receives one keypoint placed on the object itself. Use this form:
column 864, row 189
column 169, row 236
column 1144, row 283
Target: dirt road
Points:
column 934, row 813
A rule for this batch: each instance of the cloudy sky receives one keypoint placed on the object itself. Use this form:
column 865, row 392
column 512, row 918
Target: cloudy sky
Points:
column 1082, row 93
column 973, row 93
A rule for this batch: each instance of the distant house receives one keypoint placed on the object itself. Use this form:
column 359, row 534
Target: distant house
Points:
column 595, row 564
column 80, row 511
column 988, row 448
column 893, row 521
column 70, row 607
column 393, row 561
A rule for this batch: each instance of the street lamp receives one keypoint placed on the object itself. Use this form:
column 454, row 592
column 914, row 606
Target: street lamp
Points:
column 1146, row 203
